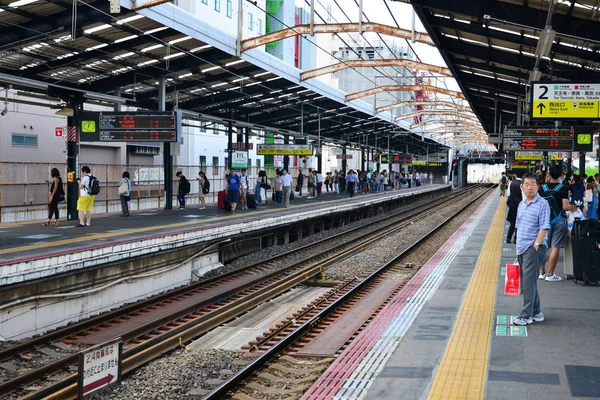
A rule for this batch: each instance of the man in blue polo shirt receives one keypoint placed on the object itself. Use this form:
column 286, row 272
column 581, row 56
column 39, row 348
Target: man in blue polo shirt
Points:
column 233, row 189
column 533, row 222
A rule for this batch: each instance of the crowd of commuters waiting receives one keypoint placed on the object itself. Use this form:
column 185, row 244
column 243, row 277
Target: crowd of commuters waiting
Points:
column 541, row 209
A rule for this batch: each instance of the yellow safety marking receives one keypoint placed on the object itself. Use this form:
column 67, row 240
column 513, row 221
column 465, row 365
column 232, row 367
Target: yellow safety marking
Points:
column 463, row 370
column 92, row 237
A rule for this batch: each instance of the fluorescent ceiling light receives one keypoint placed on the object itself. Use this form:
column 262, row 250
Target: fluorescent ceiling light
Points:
column 124, row 55
column 183, row 39
column 151, row 31
column 186, row 75
column 20, row 3
column 97, row 47
column 125, row 39
column 129, row 19
column 229, row 64
column 96, row 29
column 173, row 56
column 210, row 69
column 207, row 46
column 273, row 79
column 218, row 84
column 147, row 63
column 262, row 73
column 156, row 46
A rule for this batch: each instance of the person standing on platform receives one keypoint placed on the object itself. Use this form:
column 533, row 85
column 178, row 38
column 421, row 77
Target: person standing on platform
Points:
column 233, row 190
column 319, row 180
column 278, row 188
column 243, row 189
column 125, row 193
column 286, row 183
column 182, row 190
column 515, row 196
column 312, row 184
column 299, row 183
column 503, row 184
column 533, row 222
column 351, row 179
column 85, row 203
column 204, row 188
column 557, row 196
column 57, row 194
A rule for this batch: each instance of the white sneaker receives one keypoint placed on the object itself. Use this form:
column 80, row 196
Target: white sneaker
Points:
column 553, row 278
column 542, row 276
column 522, row 321
column 203, row 208
column 539, row 317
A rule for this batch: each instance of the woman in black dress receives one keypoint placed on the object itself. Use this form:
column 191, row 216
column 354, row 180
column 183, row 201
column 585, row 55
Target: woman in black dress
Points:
column 57, row 194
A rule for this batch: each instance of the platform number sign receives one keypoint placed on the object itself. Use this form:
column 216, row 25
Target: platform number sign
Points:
column 563, row 100
column 99, row 367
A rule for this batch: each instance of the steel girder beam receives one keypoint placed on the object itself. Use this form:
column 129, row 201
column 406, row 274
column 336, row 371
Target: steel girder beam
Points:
column 313, row 73
column 334, row 28
column 436, row 113
column 492, row 84
column 402, row 88
column 446, row 104
column 444, row 122
column 515, row 13
column 52, row 24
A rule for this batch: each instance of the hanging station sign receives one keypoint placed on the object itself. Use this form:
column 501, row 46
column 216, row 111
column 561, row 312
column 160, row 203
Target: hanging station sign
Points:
column 284, row 150
column 560, row 100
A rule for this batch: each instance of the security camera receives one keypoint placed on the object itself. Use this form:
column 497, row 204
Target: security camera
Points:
column 4, row 112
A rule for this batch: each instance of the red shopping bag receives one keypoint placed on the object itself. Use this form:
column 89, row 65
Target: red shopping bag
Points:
column 512, row 280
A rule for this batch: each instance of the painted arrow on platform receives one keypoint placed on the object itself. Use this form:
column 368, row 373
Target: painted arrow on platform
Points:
column 99, row 383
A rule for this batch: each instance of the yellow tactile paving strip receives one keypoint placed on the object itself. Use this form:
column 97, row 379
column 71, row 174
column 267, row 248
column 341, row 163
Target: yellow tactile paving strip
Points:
column 463, row 370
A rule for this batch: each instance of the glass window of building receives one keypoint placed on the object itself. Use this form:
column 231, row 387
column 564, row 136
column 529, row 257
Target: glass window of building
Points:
column 215, row 161
column 250, row 21
column 203, row 161
column 218, row 5
column 204, row 1
column 259, row 28
column 20, row 140
column 229, row 8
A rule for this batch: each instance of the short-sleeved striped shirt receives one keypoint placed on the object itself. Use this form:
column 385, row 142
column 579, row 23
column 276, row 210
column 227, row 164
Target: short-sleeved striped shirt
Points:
column 531, row 218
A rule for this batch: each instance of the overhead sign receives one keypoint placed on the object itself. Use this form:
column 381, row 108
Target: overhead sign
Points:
column 384, row 159
column 401, row 159
column 425, row 164
column 58, row 132
column 539, row 156
column 284, row 150
column 239, row 159
column 143, row 126
column 538, row 131
column 539, row 144
column 560, row 100
column 99, row 366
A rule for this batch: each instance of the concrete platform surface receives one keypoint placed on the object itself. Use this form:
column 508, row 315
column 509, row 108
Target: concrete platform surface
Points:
column 31, row 238
column 556, row 359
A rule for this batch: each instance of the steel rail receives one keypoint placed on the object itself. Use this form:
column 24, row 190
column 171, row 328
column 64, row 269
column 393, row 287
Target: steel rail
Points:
column 235, row 381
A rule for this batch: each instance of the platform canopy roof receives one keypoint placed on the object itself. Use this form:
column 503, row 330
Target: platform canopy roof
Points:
column 125, row 55
column 495, row 48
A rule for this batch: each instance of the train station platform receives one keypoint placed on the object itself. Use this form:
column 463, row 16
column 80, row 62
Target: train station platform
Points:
column 448, row 333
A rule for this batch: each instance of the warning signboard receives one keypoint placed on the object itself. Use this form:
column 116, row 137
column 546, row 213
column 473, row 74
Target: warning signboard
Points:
column 560, row 100
column 99, row 366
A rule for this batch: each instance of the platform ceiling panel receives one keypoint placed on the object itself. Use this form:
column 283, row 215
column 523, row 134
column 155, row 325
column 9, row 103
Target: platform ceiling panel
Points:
column 490, row 47
column 127, row 54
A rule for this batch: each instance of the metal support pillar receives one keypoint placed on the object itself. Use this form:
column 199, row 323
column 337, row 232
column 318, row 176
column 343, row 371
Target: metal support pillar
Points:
column 240, row 37
column 229, row 144
column 312, row 17
column 581, row 163
column 286, row 159
column 246, row 144
column 519, row 111
column 73, row 158
column 167, row 158
column 362, row 159
column 344, row 162
column 360, row 16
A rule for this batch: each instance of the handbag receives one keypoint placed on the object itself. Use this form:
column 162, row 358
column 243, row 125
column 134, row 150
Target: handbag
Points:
column 512, row 280
column 588, row 197
column 292, row 195
column 61, row 197
column 123, row 188
column 274, row 196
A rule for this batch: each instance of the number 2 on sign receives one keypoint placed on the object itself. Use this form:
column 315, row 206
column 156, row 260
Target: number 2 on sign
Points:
column 543, row 95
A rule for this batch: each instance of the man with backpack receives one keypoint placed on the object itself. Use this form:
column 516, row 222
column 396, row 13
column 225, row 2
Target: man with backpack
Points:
column 503, row 184
column 184, row 188
column 89, row 187
column 557, row 196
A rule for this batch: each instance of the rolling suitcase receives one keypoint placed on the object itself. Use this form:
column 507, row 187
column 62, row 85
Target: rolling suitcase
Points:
column 568, row 268
column 250, row 201
column 221, row 197
column 586, row 260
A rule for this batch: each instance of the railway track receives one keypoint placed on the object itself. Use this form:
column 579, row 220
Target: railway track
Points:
column 289, row 337
column 208, row 304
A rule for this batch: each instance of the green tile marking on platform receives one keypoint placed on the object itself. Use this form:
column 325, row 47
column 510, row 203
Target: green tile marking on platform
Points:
column 505, row 327
column 518, row 331
column 506, row 249
column 501, row 330
column 503, row 271
column 502, row 320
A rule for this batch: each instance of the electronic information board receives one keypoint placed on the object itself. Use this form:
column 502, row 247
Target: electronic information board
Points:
column 141, row 126
column 539, row 144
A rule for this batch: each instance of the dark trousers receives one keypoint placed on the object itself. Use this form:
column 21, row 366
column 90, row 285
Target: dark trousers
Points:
column 124, row 204
column 511, row 230
column 351, row 188
column 53, row 208
column 530, row 263
column 181, row 200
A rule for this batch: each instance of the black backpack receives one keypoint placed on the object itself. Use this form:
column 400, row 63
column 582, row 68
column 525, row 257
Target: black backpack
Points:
column 185, row 186
column 206, row 187
column 93, row 186
column 548, row 196
column 503, row 180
